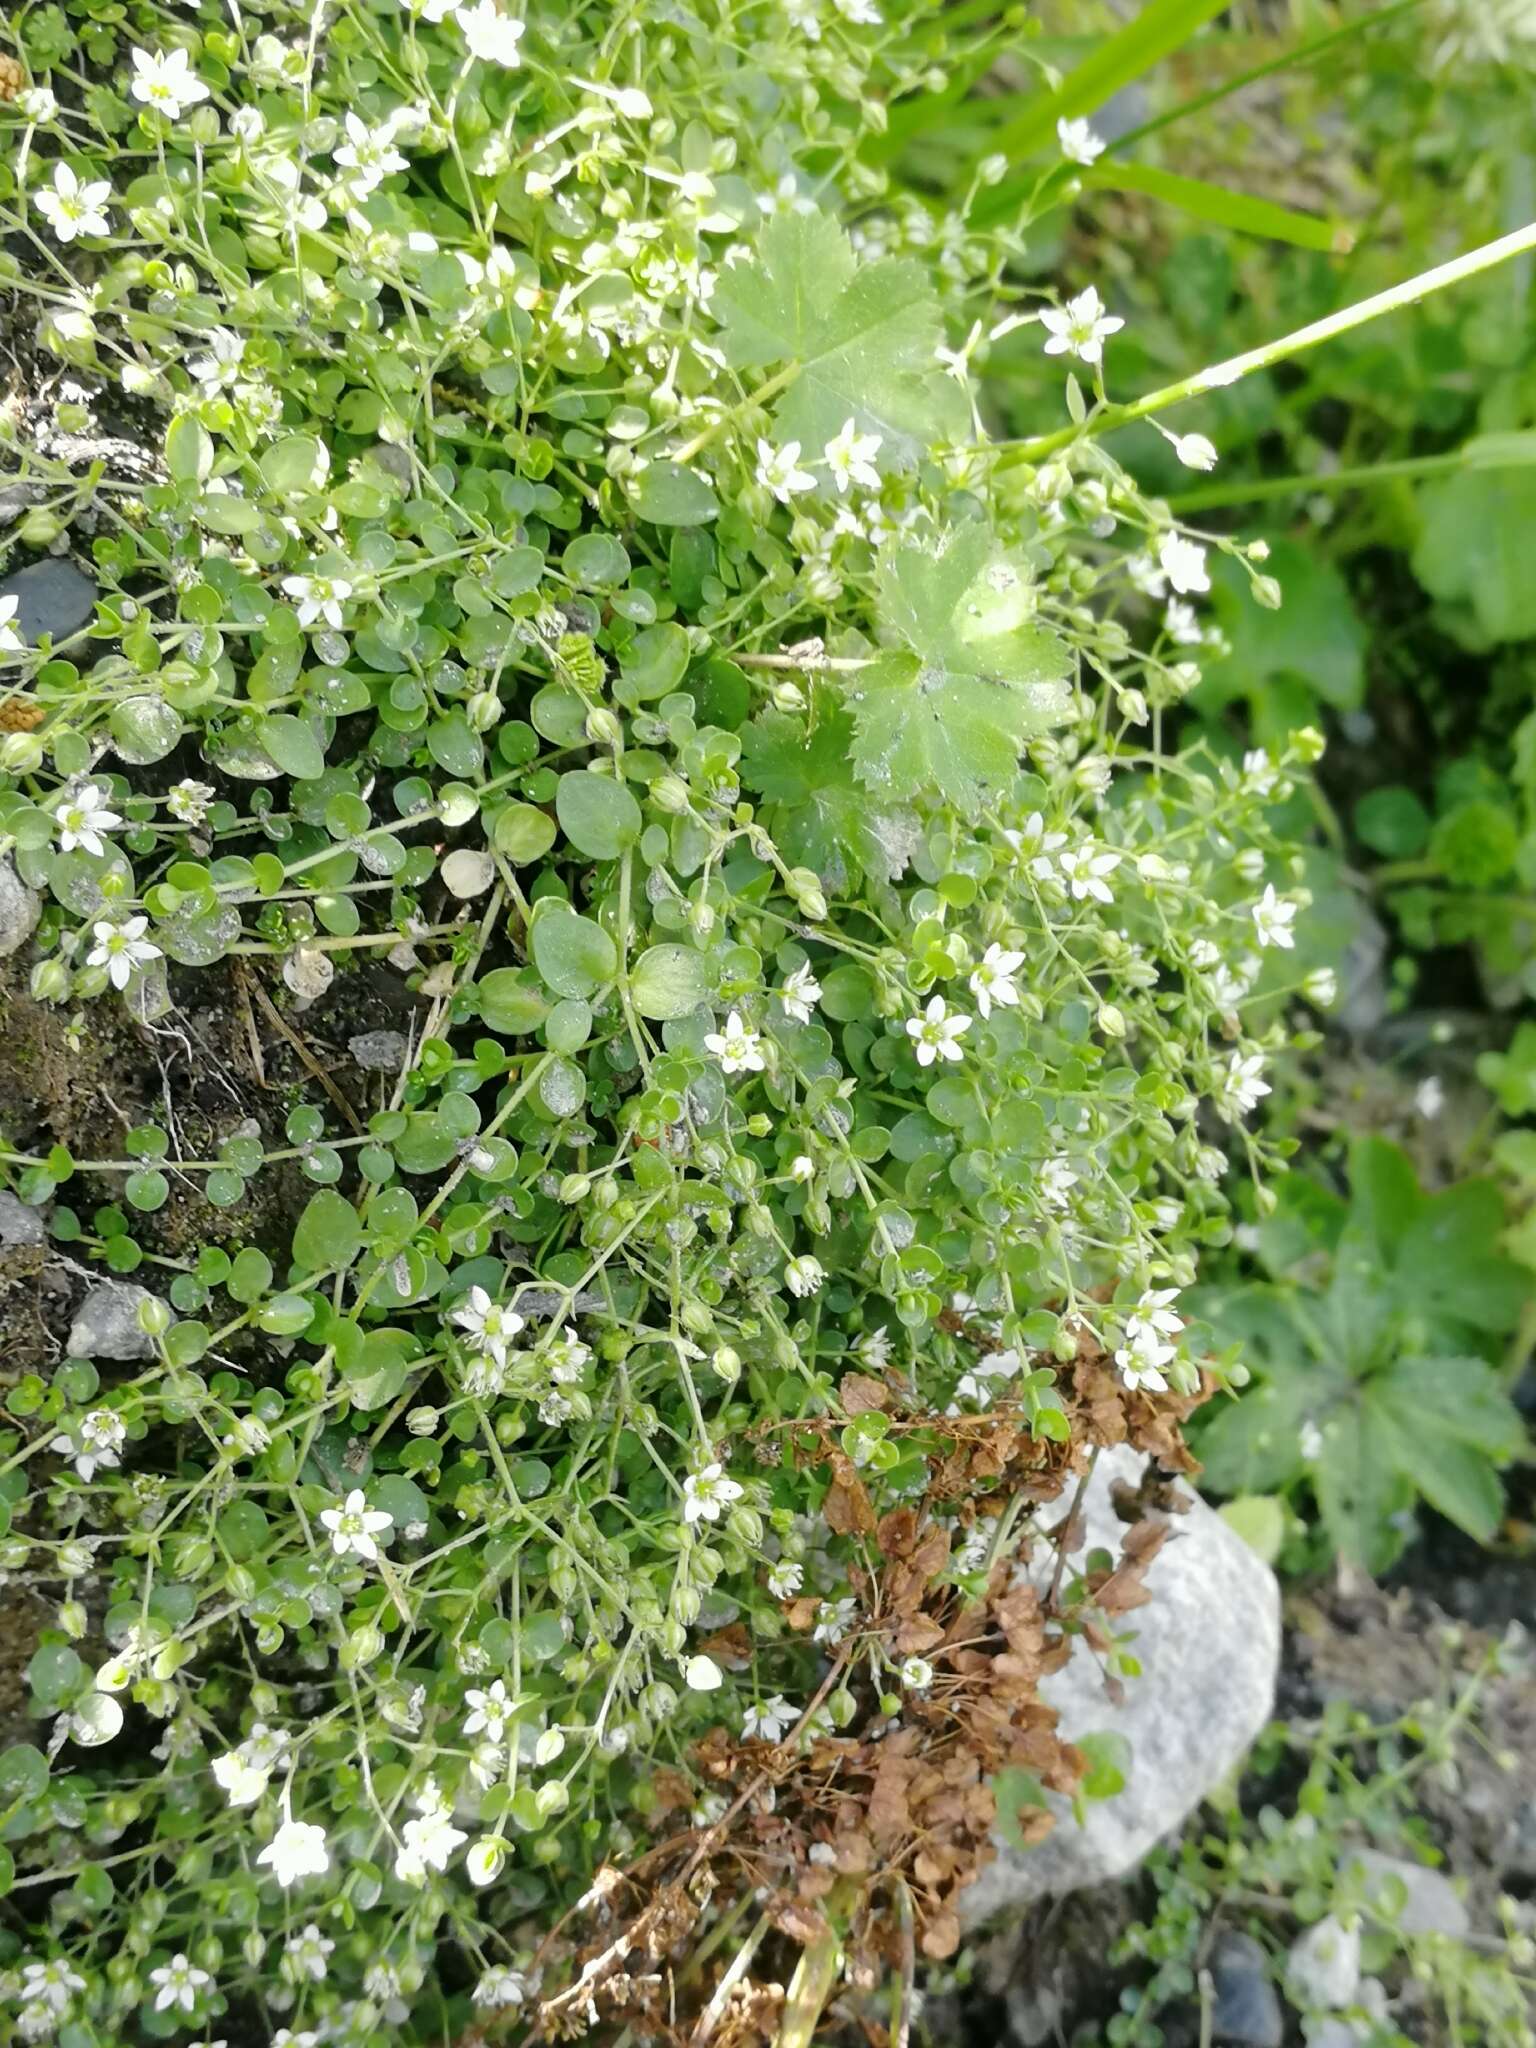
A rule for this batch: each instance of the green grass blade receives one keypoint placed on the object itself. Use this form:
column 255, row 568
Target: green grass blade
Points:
column 1158, row 30
column 1222, row 207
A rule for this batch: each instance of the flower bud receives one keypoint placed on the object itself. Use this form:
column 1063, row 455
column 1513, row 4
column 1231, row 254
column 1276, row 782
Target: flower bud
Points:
column 21, row 752
column 422, row 1421
column 485, row 1859
column 483, row 709
column 805, row 888
column 603, row 727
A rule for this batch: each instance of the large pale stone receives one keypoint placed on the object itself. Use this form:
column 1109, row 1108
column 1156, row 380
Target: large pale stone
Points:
column 106, row 1323
column 1209, row 1646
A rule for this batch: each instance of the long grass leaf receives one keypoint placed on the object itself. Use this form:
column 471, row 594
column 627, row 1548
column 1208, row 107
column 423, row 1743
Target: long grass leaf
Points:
column 1223, row 207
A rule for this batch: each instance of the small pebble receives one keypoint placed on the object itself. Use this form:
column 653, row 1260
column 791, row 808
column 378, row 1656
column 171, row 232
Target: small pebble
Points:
column 379, row 1052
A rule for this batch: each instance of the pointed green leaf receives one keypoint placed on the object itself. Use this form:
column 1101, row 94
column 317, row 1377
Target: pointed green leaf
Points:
column 1224, row 208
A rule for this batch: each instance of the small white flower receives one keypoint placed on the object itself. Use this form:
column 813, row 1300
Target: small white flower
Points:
column 916, row 1674
column 486, row 1860
column 786, row 1578
column 73, row 208
column 779, row 471
column 1081, row 328
column 703, row 1674
column 1181, row 624
column 802, row 1167
column 239, row 1780
column 834, row 1618
column 1194, row 451
column 1429, row 1097
column 354, row 1526
column 490, row 1323
column 1141, row 1370
column 707, row 1493
column 167, row 82
column 81, row 819
column 305, row 1953
column 94, row 1441
column 1078, row 142
column 770, row 1722
column 369, row 154
column 501, row 1987
column 850, row 457
column 428, row 1842
column 862, row 13
column 11, row 641
column 800, row 994
column 37, row 104
column 1241, row 1086
column 992, row 980
column 1321, row 987
column 936, row 1034
column 52, row 1983
column 1084, row 869
column 491, row 36
column 1259, row 773
column 1272, row 919
column 490, row 1711
column 177, row 1983
column 803, row 1277
column 222, row 365
column 1309, row 1441
column 189, row 800
column 1057, row 1179
column 319, row 599
column 736, row 1048
column 565, row 1355
column 122, row 949
column 1183, row 563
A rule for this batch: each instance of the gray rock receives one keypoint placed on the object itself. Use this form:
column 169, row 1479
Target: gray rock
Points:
column 106, row 1323
column 20, row 908
column 1432, row 1906
column 1517, row 1850
column 1245, row 2005
column 54, row 597
column 1209, row 1646
column 19, row 1225
column 1322, row 1970
column 379, row 1052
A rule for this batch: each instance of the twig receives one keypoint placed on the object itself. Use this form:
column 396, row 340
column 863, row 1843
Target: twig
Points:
column 280, row 1023
column 1066, row 1531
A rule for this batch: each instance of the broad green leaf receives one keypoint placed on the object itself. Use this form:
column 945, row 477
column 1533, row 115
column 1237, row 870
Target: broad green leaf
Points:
column 948, row 717
column 510, row 1002
column 1359, row 1486
column 1448, row 1264
column 1471, row 552
column 669, row 495
column 818, row 815
column 188, row 450
column 574, row 955
column 328, row 1233
column 1461, row 1398
column 293, row 746
column 598, row 815
column 668, row 982
column 862, row 338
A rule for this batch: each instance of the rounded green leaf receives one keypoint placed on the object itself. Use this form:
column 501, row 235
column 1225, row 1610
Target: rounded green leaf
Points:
column 598, row 815
column 668, row 982
column 669, row 495
column 574, row 955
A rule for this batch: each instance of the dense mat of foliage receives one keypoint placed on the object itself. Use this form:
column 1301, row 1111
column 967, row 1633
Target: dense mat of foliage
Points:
column 571, row 561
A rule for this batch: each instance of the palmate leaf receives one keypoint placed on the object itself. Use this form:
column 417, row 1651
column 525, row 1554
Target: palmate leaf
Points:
column 862, row 335
column 947, row 714
column 819, row 816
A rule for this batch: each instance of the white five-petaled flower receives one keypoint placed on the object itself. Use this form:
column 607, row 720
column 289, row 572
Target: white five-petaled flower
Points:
column 703, row 1674
column 122, row 949
column 1141, row 1370
column 801, row 993
column 1259, row 773
column 305, row 1953
column 770, row 1722
column 177, row 1983
column 1153, row 1321
column 242, row 1774
column 94, row 1441
column 1084, row 869
column 319, row 598
column 916, row 1674
column 72, row 208
column 501, row 1987
column 1194, row 450
column 10, row 639
column 1058, row 1177
column 296, row 1850
column 803, row 1277
column 1241, row 1087
column 355, row 1527
column 1080, row 328
column 1272, row 919
column 1183, row 563
column 850, row 457
column 188, row 800
column 707, row 1493
column 167, row 82
column 1181, row 623
column 489, row 1711
column 428, row 1842
column 992, row 979
column 1078, row 142
column 52, row 1983
column 38, row 103
column 491, row 36
column 786, row 1578
column 368, row 154
column 779, row 471
column 738, row 1050
column 491, row 1324
column 802, row 1167
column 936, row 1034
column 224, row 361
column 82, row 817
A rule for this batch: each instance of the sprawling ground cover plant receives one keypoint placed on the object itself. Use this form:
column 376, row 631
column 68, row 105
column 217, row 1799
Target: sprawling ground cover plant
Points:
column 565, row 556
